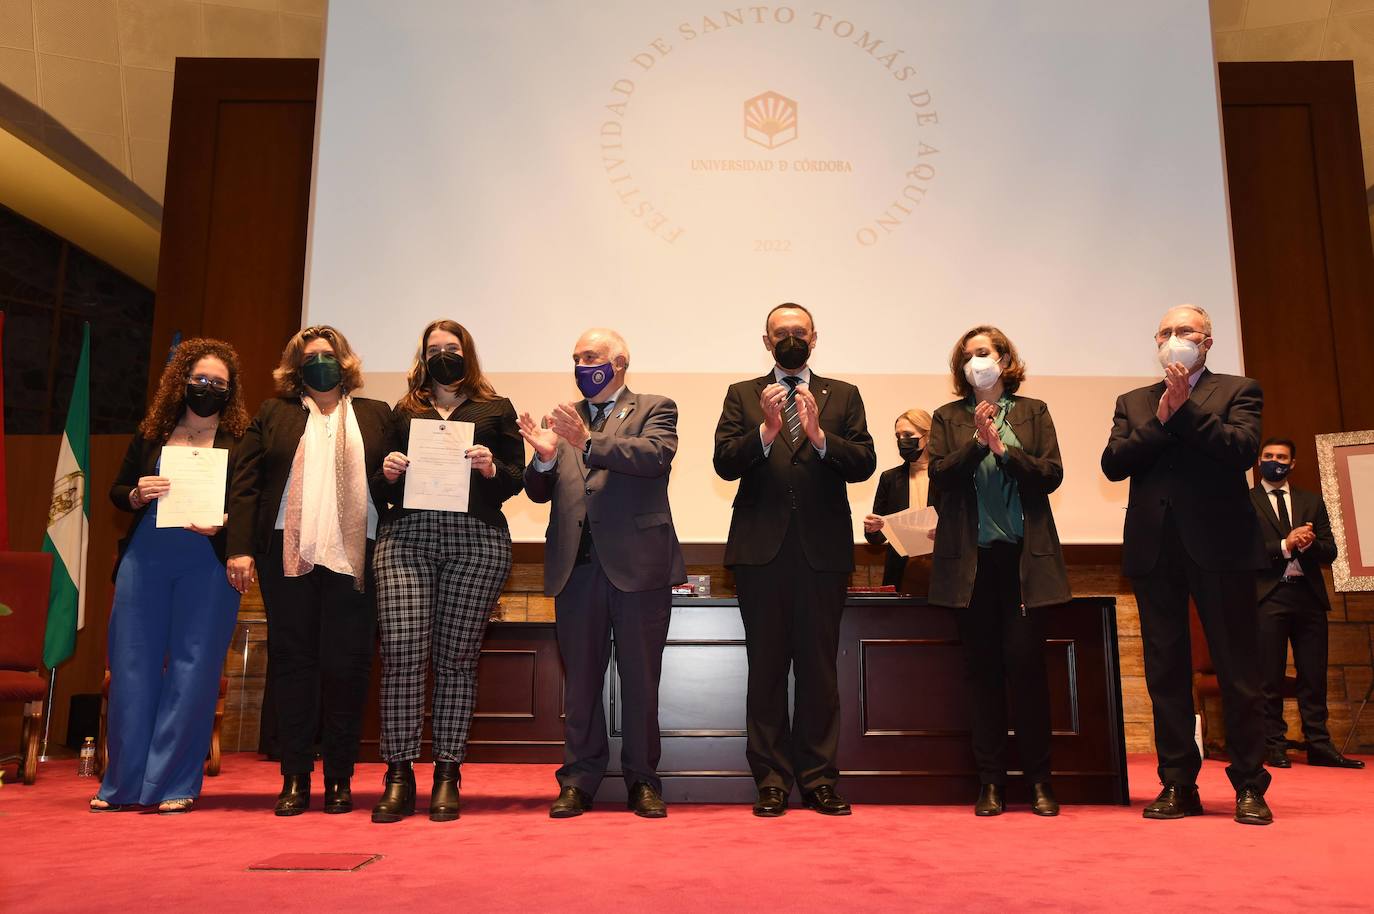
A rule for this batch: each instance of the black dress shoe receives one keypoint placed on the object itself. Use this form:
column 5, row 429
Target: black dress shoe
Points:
column 990, row 801
column 443, row 797
column 398, row 793
column 1276, row 758
column 572, row 801
column 1175, row 801
column 646, row 802
column 294, row 798
column 772, row 802
column 1043, row 802
column 1251, row 808
column 826, row 801
column 1326, row 755
column 338, row 796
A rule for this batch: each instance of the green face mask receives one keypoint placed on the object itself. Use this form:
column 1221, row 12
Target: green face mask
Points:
column 321, row 372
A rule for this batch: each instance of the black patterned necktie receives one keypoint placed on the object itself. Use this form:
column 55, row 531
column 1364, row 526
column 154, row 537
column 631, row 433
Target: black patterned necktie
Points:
column 790, row 419
column 599, row 412
column 1284, row 522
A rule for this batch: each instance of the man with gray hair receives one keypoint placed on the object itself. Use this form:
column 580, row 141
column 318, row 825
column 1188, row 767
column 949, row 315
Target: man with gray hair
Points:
column 1186, row 443
column 611, row 557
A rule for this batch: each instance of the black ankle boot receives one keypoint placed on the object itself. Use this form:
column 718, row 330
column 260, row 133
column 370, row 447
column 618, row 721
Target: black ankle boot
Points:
column 338, row 796
column 294, row 798
column 398, row 797
column 443, row 799
column 990, row 801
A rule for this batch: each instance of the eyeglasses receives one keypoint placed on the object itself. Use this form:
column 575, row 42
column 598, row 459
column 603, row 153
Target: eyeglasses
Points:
column 453, row 348
column 202, row 382
column 1166, row 332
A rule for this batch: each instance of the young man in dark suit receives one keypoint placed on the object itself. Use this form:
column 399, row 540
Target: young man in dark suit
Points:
column 1293, row 605
column 794, row 440
column 611, row 557
column 1185, row 444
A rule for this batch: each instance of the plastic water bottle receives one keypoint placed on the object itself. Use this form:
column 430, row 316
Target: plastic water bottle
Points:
column 85, row 765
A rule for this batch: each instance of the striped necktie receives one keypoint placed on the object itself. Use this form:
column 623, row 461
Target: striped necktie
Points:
column 599, row 411
column 790, row 419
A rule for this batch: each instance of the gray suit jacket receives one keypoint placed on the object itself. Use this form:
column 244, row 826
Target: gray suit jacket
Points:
column 621, row 489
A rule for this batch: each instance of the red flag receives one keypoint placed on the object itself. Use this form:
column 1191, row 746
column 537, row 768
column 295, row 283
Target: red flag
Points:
column 4, row 496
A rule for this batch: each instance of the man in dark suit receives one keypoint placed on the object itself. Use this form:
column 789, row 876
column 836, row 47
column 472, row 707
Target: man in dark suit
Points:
column 794, row 440
column 1186, row 443
column 1293, row 605
column 611, row 557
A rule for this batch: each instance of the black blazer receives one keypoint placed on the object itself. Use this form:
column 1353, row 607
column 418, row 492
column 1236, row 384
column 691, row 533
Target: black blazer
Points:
column 1038, row 470
column 1194, row 465
column 1303, row 508
column 493, row 426
column 264, row 463
column 787, row 482
column 893, row 495
column 141, row 460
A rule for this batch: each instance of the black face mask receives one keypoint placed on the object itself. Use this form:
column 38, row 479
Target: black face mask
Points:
column 446, row 367
column 910, row 449
column 791, row 352
column 321, row 372
column 205, row 401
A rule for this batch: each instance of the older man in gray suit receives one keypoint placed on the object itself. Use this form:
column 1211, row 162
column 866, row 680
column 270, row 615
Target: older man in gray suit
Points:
column 611, row 557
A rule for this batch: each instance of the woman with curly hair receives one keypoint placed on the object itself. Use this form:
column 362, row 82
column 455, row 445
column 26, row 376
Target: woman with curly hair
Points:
column 174, row 610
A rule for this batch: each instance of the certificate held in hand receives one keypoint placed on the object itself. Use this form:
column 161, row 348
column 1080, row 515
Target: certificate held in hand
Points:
column 196, row 494
column 440, row 471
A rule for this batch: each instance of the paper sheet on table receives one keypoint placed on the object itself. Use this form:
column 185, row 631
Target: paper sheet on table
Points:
column 196, row 495
column 909, row 531
column 438, row 476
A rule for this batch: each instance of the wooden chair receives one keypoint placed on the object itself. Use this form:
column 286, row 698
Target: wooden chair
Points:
column 212, row 760
column 1207, row 691
column 25, row 578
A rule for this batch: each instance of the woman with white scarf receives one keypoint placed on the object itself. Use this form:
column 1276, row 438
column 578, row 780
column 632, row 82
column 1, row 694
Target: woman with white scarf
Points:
column 302, row 522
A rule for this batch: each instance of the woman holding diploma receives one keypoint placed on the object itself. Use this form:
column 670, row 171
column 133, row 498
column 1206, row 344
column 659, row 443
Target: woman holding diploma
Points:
column 994, row 460
column 302, row 521
column 173, row 612
column 904, row 486
column 442, row 559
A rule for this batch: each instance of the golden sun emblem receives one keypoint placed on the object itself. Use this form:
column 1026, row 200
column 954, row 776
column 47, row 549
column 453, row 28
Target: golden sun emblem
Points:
column 770, row 120
column 66, row 495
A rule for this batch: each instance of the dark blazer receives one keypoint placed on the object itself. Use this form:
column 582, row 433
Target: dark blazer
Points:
column 264, row 463
column 788, row 481
column 493, row 426
column 893, row 495
column 1303, row 508
column 1194, row 465
column 141, row 460
column 1038, row 470
column 621, row 489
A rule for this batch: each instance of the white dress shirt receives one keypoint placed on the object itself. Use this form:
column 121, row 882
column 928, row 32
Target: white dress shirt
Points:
column 1294, row 569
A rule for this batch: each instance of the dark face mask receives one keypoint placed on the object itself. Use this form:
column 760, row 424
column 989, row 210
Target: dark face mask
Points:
column 1274, row 471
column 910, row 449
column 446, row 367
column 205, row 401
column 791, row 352
column 321, row 372
column 593, row 379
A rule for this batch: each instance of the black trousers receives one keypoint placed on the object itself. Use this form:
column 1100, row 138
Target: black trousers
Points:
column 320, row 637
column 1004, row 645
column 1292, row 614
column 588, row 610
column 1226, row 607
column 792, row 620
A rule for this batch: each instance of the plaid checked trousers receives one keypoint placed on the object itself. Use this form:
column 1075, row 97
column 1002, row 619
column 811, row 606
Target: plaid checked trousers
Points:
column 439, row 574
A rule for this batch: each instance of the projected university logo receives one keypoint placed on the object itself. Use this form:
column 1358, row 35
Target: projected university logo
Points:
column 770, row 120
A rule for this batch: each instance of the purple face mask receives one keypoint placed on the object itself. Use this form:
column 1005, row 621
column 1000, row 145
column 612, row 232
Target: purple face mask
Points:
column 592, row 379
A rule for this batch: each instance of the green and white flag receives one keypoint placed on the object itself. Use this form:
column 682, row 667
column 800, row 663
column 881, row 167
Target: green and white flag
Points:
column 69, row 519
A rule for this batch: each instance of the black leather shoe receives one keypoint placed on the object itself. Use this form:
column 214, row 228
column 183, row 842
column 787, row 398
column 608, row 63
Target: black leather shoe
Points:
column 1276, row 758
column 826, row 801
column 572, row 801
column 1043, row 802
column 443, row 797
column 1251, row 808
column 1326, row 755
column 772, row 802
column 294, row 798
column 398, row 793
column 990, row 801
column 1175, row 801
column 646, row 802
column 338, row 796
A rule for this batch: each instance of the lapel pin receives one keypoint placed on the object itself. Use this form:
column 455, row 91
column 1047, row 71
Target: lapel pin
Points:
column 621, row 414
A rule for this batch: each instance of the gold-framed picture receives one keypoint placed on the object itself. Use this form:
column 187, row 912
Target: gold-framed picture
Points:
column 1346, row 462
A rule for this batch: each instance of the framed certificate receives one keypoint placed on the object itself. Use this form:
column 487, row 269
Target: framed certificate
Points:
column 1346, row 462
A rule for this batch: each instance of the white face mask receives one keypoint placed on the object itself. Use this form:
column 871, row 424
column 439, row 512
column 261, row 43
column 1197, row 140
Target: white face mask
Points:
column 982, row 371
column 1177, row 349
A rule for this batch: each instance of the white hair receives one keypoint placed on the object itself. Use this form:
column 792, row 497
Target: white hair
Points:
column 1200, row 312
column 618, row 347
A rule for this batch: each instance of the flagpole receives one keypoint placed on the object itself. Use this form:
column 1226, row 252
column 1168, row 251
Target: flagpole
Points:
column 47, row 717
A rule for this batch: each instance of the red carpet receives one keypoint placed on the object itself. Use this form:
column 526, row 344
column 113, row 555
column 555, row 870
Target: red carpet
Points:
column 505, row 854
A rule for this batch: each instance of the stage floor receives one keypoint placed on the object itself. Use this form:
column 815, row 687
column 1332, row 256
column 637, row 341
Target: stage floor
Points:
column 505, row 854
